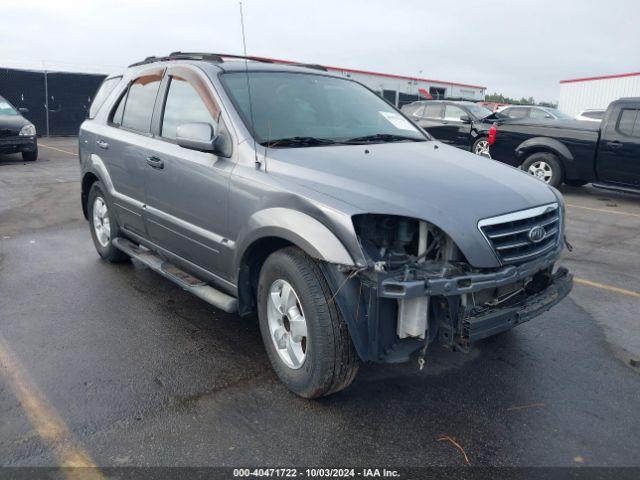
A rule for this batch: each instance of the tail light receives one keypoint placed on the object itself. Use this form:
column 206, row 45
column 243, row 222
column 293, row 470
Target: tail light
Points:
column 493, row 131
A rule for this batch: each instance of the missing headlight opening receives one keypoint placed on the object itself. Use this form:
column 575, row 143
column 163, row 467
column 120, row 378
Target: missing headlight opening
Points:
column 393, row 242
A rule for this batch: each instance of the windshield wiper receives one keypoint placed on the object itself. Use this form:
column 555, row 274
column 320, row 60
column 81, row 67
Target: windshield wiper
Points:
column 384, row 137
column 298, row 142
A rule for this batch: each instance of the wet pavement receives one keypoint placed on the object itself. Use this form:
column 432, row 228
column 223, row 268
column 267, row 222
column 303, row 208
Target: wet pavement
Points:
column 143, row 373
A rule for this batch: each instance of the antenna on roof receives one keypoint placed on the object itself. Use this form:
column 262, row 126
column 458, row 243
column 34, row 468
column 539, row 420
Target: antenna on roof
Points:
column 246, row 71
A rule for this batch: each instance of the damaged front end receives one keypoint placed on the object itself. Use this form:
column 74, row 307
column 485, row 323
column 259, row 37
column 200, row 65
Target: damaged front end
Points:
column 418, row 289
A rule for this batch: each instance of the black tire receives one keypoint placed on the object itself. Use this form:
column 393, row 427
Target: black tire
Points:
column 108, row 252
column 575, row 183
column 30, row 156
column 331, row 362
column 549, row 159
column 477, row 143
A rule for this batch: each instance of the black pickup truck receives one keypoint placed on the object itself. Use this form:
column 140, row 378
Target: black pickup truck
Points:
column 575, row 152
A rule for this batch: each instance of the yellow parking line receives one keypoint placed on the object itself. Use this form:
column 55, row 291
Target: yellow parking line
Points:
column 40, row 144
column 604, row 210
column 45, row 419
column 623, row 291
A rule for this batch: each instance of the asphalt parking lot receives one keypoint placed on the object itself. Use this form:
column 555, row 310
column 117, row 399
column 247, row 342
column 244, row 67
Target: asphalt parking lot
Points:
column 117, row 366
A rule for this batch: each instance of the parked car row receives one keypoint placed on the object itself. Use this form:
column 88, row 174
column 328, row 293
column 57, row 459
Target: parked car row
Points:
column 545, row 142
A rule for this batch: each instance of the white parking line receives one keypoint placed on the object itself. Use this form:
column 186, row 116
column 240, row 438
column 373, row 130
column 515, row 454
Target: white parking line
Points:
column 604, row 210
column 40, row 144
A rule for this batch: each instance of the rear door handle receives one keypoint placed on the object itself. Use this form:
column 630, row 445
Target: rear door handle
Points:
column 615, row 145
column 155, row 162
column 102, row 144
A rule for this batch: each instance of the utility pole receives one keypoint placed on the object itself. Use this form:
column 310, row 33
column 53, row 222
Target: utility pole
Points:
column 46, row 98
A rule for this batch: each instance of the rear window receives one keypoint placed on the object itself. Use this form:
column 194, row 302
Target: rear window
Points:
column 629, row 122
column 598, row 115
column 101, row 95
column 141, row 98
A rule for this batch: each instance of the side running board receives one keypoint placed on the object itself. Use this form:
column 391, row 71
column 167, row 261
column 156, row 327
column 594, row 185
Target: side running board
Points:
column 188, row 282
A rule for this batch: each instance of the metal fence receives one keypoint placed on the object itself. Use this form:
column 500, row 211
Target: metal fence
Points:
column 58, row 102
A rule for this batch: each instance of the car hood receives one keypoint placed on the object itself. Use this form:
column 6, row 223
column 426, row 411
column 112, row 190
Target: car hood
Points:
column 13, row 122
column 443, row 185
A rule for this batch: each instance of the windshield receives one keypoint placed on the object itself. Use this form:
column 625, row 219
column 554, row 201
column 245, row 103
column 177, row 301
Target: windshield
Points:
column 6, row 108
column 558, row 114
column 309, row 107
column 478, row 111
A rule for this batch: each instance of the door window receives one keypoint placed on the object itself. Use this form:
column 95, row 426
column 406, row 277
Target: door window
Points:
column 429, row 111
column 629, row 122
column 184, row 105
column 538, row 113
column 515, row 112
column 451, row 112
column 138, row 107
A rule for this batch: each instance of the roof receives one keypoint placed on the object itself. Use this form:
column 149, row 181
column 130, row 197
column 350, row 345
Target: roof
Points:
column 219, row 60
column 388, row 75
column 602, row 77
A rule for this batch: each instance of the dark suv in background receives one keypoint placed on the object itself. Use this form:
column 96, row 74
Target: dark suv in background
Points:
column 17, row 134
column 457, row 123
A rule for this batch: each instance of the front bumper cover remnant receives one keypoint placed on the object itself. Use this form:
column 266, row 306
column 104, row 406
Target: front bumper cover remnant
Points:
column 476, row 328
column 370, row 304
column 396, row 287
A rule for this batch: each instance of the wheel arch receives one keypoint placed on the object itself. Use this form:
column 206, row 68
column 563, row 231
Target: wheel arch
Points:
column 543, row 145
column 271, row 230
column 88, row 179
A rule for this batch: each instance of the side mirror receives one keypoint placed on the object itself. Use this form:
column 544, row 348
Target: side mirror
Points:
column 548, row 115
column 465, row 119
column 23, row 110
column 196, row 136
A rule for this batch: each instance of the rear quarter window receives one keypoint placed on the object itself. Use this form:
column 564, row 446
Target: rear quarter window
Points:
column 629, row 123
column 101, row 95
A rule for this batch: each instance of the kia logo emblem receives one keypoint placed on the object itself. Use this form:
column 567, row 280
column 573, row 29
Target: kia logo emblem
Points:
column 537, row 234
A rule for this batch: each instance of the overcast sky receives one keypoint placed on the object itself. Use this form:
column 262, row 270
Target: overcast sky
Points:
column 518, row 48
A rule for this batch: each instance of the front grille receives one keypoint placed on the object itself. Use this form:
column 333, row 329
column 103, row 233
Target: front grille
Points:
column 511, row 235
column 5, row 132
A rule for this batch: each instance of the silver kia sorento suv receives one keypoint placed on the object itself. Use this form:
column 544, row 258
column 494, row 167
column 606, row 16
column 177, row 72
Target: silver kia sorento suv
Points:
column 305, row 197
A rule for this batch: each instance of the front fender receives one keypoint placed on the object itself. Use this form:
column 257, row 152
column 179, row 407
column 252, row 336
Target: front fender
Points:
column 298, row 228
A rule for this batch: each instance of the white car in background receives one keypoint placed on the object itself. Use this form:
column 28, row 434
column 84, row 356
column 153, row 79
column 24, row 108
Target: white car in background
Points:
column 535, row 112
column 591, row 115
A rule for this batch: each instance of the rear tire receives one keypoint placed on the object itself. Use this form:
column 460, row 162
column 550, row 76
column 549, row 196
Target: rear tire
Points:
column 30, row 156
column 103, row 225
column 545, row 167
column 323, row 360
column 481, row 147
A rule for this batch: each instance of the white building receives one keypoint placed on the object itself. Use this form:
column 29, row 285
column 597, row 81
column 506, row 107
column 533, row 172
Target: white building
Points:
column 401, row 89
column 596, row 92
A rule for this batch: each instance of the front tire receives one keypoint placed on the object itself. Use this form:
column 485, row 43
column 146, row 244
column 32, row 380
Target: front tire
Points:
column 31, row 156
column 545, row 167
column 305, row 336
column 481, row 147
column 103, row 225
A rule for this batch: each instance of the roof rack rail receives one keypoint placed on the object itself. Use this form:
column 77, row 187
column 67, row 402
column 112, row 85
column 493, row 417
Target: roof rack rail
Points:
column 211, row 57
column 314, row 66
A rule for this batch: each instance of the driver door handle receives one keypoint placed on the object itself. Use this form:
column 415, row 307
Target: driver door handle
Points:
column 155, row 162
column 102, row 144
column 615, row 145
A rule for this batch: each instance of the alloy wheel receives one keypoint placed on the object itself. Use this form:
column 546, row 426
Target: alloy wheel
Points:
column 287, row 324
